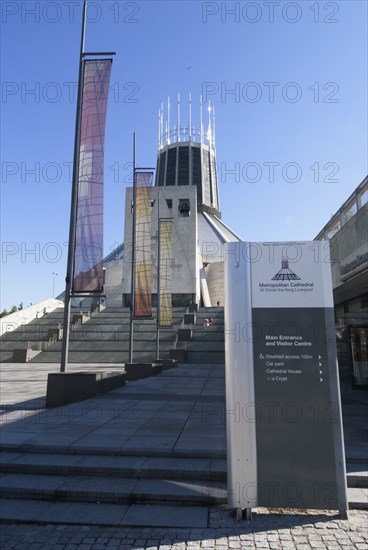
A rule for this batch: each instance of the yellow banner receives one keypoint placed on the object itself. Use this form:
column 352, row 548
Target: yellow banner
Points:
column 165, row 259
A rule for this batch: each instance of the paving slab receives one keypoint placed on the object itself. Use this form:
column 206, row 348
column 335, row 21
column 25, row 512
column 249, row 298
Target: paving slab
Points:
column 166, row 516
column 62, row 512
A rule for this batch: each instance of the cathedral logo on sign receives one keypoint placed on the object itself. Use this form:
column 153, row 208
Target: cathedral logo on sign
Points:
column 285, row 273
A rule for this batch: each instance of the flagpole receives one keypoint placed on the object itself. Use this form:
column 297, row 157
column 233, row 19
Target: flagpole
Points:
column 73, row 207
column 158, row 281
column 132, row 286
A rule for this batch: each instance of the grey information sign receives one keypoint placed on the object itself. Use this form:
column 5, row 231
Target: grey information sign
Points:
column 298, row 427
column 296, row 409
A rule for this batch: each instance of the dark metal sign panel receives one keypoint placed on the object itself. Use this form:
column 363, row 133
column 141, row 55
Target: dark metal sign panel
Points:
column 295, row 408
column 297, row 413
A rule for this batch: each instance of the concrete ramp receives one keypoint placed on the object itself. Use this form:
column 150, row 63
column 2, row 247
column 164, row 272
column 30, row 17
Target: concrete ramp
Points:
column 16, row 320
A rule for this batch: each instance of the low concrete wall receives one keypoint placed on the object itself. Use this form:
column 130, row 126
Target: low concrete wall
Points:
column 189, row 319
column 69, row 387
column 178, row 355
column 24, row 355
column 56, row 333
column 184, row 334
column 136, row 371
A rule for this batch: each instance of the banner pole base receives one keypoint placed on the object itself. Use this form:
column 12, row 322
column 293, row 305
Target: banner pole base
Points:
column 244, row 513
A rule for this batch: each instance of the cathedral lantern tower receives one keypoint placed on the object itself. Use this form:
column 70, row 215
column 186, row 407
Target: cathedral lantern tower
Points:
column 187, row 156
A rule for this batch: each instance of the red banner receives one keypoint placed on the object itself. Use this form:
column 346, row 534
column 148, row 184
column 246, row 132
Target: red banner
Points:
column 88, row 272
column 143, row 267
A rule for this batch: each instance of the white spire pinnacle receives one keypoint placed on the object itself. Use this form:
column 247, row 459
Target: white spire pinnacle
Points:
column 180, row 132
column 190, row 116
column 209, row 131
column 168, row 120
column 178, row 128
column 214, row 128
column 201, row 119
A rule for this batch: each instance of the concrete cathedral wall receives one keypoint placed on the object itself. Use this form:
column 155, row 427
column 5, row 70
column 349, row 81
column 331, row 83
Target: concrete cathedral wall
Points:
column 215, row 282
column 184, row 243
column 113, row 281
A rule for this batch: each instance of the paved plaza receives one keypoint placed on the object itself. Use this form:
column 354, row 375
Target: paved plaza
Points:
column 300, row 531
column 63, row 438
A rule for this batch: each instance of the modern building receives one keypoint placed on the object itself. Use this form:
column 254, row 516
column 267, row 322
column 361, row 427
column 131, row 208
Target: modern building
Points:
column 185, row 191
column 347, row 232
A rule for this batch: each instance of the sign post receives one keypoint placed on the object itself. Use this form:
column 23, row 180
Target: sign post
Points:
column 295, row 424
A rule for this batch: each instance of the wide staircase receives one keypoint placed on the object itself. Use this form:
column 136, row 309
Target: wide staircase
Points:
column 103, row 337
column 207, row 345
column 152, row 453
column 33, row 335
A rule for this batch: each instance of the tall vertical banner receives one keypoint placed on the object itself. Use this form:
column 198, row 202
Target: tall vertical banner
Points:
column 143, row 263
column 280, row 339
column 165, row 297
column 88, row 268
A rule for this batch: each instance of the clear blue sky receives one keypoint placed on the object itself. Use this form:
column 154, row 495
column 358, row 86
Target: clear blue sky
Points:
column 313, row 52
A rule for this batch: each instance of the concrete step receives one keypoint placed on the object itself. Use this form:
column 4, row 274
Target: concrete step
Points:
column 143, row 467
column 116, row 327
column 212, row 311
column 358, row 498
column 123, row 466
column 112, row 489
column 105, row 490
column 214, row 357
column 215, row 315
column 205, row 347
column 105, row 357
column 207, row 336
column 357, row 475
column 115, row 515
column 106, row 346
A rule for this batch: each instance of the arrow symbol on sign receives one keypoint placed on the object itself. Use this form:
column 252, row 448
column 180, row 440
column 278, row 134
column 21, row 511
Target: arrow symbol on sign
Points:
column 321, row 379
column 320, row 364
column 319, row 357
column 320, row 372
